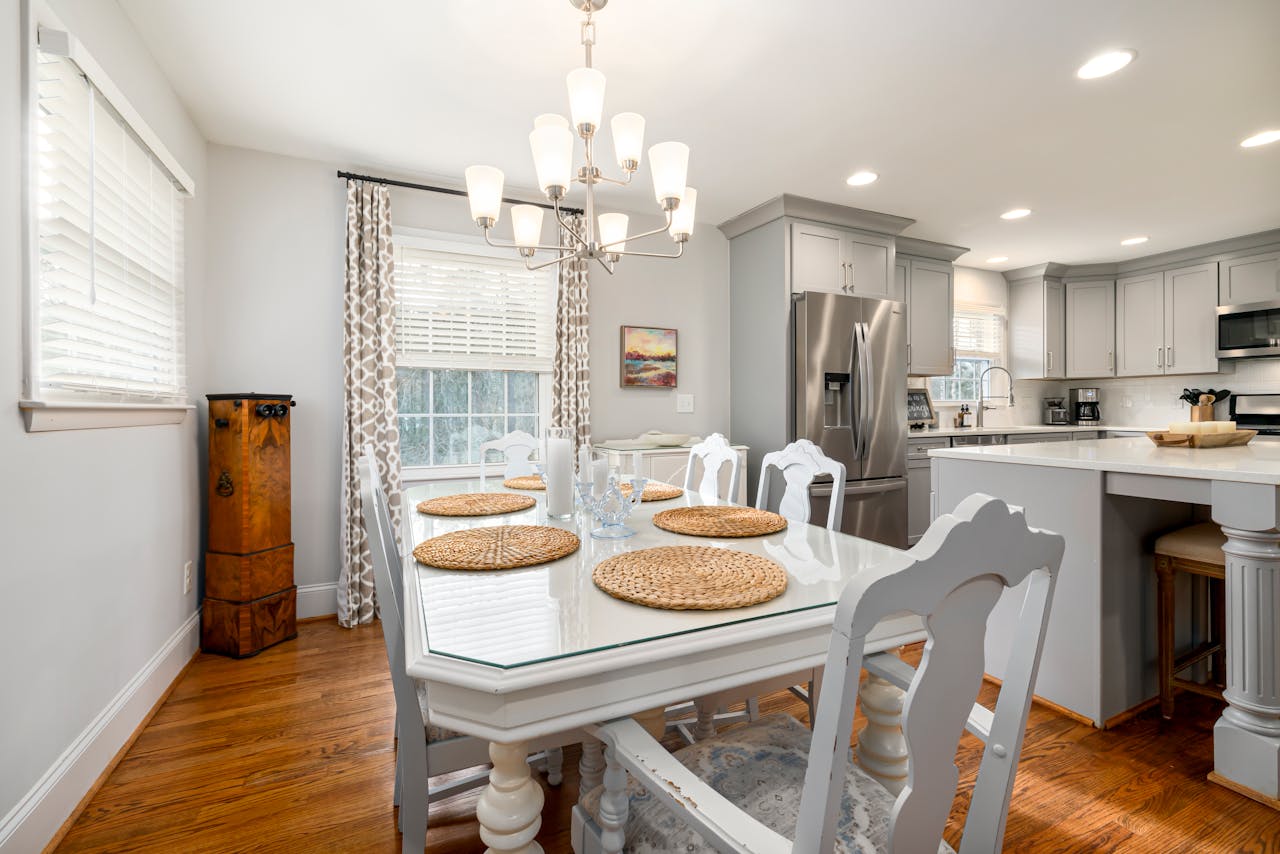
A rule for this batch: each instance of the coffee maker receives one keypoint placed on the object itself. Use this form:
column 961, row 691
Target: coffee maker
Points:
column 1055, row 411
column 1083, row 406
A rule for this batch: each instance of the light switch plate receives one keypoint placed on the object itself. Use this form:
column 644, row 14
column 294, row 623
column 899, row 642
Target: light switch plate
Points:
column 684, row 403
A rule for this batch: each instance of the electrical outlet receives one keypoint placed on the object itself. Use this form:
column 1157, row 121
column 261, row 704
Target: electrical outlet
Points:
column 186, row 577
column 684, row 403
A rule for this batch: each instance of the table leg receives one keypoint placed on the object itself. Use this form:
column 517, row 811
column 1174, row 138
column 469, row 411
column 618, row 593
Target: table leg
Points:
column 1246, row 739
column 555, row 766
column 654, row 721
column 882, row 748
column 510, row 807
column 706, row 726
column 590, row 767
column 614, row 805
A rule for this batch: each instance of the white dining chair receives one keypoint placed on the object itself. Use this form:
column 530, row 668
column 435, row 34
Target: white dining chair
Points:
column 440, row 750
column 800, row 464
column 769, row 787
column 710, row 455
column 516, row 448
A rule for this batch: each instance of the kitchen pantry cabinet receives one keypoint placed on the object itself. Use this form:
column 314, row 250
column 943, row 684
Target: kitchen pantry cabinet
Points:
column 1254, row 278
column 1166, row 322
column 1037, row 329
column 1091, row 329
column 929, row 285
column 838, row 260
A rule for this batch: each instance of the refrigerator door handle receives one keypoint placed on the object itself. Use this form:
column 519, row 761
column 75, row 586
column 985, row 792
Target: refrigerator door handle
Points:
column 866, row 390
column 855, row 488
column 855, row 388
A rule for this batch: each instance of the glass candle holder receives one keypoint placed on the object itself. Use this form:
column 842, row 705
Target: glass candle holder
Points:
column 611, row 507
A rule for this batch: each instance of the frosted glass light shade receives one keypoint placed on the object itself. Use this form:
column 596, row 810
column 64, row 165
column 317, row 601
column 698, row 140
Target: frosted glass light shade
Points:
column 552, row 158
column 613, row 230
column 669, row 162
column 484, row 192
column 526, row 225
column 628, row 139
column 682, row 218
column 551, row 120
column 586, row 96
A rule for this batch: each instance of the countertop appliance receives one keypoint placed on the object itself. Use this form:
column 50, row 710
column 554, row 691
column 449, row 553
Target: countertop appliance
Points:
column 849, row 397
column 1083, row 406
column 1055, row 411
column 1259, row 412
column 1252, row 329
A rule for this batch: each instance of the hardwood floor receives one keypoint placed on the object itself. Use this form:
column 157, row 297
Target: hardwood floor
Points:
column 292, row 751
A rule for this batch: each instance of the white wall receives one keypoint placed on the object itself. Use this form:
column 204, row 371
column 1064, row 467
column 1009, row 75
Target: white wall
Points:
column 274, row 314
column 96, row 524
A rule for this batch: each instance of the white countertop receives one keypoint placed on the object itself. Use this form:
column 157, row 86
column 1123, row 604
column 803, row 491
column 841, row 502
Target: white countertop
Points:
column 940, row 432
column 1257, row 462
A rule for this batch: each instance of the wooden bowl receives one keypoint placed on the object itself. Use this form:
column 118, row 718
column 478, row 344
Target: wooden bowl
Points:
column 1163, row 439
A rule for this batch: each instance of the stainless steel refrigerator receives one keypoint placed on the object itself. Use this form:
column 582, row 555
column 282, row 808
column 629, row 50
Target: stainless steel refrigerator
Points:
column 849, row 397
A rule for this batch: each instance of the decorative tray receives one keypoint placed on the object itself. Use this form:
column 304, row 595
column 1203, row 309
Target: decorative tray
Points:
column 1165, row 439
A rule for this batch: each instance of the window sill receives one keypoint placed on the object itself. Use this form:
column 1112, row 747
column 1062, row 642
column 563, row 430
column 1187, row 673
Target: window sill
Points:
column 42, row 416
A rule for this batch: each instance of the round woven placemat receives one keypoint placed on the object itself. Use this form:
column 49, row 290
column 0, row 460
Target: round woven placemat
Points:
column 476, row 504
column 498, row 547
column 719, row 521
column 691, row 578
column 654, row 491
column 528, row 481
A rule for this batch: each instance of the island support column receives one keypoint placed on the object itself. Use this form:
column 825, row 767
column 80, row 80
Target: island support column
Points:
column 1246, row 739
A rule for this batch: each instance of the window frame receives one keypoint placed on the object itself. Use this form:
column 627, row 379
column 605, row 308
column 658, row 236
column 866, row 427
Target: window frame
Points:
column 419, row 238
column 998, row 360
column 47, row 412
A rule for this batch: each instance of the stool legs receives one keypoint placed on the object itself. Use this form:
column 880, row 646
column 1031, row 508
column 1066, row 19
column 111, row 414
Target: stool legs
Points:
column 1164, row 634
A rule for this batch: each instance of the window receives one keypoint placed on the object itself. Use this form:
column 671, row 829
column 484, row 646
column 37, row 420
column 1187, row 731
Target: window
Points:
column 978, row 335
column 107, row 304
column 474, row 346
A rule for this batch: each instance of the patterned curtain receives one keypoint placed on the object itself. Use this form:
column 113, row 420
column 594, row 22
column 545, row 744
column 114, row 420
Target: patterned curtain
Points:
column 369, row 358
column 570, row 382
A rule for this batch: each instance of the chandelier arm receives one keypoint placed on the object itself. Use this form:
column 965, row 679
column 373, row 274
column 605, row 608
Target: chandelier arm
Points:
column 547, row 263
column 658, row 230
column 679, row 252
column 619, row 181
column 572, row 231
column 608, row 268
column 489, row 241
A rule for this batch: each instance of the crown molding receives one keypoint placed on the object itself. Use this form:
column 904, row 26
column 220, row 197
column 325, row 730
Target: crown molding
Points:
column 799, row 207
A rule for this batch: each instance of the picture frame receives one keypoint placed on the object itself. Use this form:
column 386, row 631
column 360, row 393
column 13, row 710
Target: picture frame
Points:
column 920, row 408
column 648, row 357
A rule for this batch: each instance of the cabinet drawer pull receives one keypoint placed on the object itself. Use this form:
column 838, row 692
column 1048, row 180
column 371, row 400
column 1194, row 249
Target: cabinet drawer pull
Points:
column 1159, row 357
column 1169, row 356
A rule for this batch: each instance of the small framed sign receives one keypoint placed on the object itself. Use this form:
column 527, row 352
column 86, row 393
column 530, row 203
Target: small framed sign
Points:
column 648, row 357
column 920, row 409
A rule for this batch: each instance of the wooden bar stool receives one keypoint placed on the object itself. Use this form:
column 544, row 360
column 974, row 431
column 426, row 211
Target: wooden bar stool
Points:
column 1196, row 550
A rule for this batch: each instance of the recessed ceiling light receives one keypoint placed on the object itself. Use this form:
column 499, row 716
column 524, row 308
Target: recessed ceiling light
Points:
column 999, row 259
column 1016, row 213
column 1105, row 63
column 861, row 178
column 1133, row 241
column 1263, row 138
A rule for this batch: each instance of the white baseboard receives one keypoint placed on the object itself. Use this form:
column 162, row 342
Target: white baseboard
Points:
column 317, row 600
column 36, row 818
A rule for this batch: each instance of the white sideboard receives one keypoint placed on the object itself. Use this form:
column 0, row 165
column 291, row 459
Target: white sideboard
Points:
column 668, row 465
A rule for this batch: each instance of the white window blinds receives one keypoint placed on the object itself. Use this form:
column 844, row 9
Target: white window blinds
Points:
column 455, row 310
column 978, row 331
column 109, row 310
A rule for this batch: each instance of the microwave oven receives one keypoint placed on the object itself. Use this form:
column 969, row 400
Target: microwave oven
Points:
column 1252, row 329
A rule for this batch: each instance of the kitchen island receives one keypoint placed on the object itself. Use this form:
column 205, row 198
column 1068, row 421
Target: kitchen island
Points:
column 1110, row 498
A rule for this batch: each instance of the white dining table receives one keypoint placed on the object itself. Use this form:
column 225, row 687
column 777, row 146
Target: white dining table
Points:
column 515, row 656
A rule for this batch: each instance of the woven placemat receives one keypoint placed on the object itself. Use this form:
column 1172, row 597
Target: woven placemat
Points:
column 691, row 578
column 528, row 481
column 498, row 547
column 654, row 491
column 476, row 504
column 719, row 521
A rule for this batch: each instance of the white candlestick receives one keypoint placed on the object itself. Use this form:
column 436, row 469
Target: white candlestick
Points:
column 559, row 477
column 599, row 477
column 584, row 463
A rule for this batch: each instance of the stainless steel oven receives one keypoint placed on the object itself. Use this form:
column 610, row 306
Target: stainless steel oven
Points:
column 1247, row 330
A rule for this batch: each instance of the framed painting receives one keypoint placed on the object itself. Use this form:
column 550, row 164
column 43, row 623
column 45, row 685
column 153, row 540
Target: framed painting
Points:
column 648, row 357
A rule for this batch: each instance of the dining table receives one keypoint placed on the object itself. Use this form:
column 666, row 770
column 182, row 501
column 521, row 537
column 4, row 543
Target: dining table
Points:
column 515, row 656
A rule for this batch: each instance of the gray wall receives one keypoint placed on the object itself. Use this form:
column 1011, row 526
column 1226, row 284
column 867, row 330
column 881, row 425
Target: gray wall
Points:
column 96, row 523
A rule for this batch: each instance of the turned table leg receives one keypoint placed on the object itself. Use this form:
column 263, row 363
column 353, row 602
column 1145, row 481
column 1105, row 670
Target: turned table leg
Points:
column 614, row 805
column 882, row 748
column 590, row 767
column 510, row 807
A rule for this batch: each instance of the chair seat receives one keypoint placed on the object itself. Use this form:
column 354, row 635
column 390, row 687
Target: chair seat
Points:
column 1202, row 543
column 759, row 767
column 434, row 733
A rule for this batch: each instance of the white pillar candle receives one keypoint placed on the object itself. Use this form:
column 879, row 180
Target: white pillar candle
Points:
column 1226, row 426
column 559, row 477
column 1180, row 427
column 599, row 477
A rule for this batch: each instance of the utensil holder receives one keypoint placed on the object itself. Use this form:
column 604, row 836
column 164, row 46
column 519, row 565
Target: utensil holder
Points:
column 1202, row 413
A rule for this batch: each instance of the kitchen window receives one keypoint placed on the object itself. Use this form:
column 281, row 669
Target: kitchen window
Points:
column 474, row 346
column 977, row 333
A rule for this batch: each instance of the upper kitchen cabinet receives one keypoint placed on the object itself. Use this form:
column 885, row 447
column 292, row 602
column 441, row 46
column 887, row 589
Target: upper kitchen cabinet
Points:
column 1091, row 329
column 1254, row 278
column 1140, row 325
column 841, row 261
column 1037, row 329
column 1166, row 322
column 929, row 287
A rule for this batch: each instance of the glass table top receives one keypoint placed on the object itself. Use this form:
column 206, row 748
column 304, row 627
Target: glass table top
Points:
column 515, row 617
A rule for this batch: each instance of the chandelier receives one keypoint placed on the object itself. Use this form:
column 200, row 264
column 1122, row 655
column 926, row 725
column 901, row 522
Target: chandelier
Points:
column 603, row 238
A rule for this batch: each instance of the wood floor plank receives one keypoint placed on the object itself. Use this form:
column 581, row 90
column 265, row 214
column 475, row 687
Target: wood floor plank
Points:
column 292, row 751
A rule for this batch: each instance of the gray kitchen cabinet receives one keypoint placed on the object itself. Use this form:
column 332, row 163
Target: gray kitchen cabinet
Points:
column 838, row 260
column 1253, row 278
column 929, row 288
column 1140, row 325
column 1037, row 329
column 1028, row 438
column 919, row 488
column 1165, row 322
column 1091, row 329
column 1081, row 435
column 1122, row 434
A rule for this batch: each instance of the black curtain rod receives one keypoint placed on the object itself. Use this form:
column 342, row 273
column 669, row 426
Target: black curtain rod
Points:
column 446, row 190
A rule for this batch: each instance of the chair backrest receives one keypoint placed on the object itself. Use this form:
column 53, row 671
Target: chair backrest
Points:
column 800, row 463
column 712, row 452
column 953, row 578
column 388, row 583
column 516, row 447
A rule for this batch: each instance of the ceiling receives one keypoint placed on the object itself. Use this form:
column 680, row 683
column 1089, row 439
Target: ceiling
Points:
column 965, row 109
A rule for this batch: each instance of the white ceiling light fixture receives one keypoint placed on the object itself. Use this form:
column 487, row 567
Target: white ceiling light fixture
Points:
column 1265, row 137
column 603, row 237
column 1106, row 63
column 1133, row 241
column 1016, row 213
column 998, row 259
column 861, row 178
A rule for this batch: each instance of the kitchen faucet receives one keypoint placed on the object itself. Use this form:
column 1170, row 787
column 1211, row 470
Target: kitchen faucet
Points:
column 981, row 397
